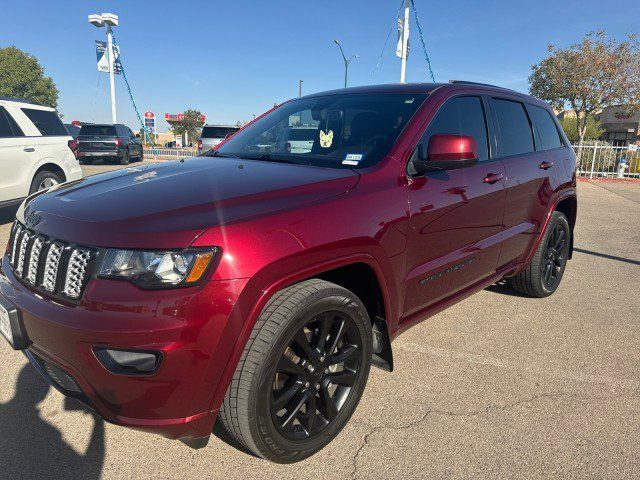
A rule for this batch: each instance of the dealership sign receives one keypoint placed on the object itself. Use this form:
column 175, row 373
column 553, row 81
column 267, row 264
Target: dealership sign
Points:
column 179, row 117
column 103, row 58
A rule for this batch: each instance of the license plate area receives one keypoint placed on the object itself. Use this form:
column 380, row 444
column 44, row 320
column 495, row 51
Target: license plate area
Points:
column 11, row 327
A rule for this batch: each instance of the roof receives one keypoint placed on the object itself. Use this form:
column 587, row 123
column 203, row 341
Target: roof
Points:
column 25, row 102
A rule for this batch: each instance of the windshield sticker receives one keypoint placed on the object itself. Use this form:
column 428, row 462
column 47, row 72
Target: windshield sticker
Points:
column 326, row 139
column 409, row 100
column 354, row 156
column 350, row 162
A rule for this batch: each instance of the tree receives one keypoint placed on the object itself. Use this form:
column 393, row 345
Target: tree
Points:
column 192, row 123
column 588, row 76
column 21, row 76
column 593, row 128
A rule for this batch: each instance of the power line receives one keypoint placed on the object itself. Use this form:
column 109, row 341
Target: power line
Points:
column 424, row 45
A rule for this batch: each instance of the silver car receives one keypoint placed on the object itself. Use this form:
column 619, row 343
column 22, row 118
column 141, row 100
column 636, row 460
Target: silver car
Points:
column 212, row 135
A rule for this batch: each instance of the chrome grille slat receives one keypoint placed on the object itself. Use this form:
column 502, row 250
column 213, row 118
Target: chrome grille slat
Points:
column 22, row 252
column 76, row 270
column 14, row 248
column 51, row 267
column 34, row 260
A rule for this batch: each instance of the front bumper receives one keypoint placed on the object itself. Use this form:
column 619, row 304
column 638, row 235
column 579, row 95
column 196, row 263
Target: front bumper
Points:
column 187, row 326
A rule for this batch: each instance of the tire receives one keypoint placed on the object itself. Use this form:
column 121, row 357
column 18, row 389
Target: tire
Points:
column 543, row 274
column 45, row 179
column 141, row 156
column 125, row 159
column 263, row 378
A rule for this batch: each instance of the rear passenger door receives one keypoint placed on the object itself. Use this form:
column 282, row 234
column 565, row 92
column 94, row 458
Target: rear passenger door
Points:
column 456, row 215
column 530, row 178
column 16, row 159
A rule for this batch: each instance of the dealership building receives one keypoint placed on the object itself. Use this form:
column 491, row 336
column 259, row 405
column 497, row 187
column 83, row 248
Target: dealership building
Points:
column 621, row 126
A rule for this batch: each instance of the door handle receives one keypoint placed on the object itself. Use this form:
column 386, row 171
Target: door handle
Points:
column 29, row 149
column 493, row 178
column 545, row 165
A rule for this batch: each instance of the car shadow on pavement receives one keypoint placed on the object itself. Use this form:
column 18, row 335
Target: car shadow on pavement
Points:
column 31, row 447
column 503, row 288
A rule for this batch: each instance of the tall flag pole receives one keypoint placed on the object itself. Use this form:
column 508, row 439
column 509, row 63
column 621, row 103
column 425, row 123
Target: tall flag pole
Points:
column 403, row 41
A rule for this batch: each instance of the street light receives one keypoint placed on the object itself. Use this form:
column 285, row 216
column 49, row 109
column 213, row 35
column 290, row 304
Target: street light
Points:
column 108, row 20
column 346, row 62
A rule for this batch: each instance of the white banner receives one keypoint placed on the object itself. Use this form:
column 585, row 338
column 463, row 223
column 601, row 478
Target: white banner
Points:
column 400, row 31
column 103, row 59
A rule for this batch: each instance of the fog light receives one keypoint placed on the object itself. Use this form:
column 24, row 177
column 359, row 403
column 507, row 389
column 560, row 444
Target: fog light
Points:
column 126, row 362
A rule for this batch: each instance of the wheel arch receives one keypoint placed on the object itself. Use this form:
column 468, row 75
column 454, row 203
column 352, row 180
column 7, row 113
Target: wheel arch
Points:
column 343, row 271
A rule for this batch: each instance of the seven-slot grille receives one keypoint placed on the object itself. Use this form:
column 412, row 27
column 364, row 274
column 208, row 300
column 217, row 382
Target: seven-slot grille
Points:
column 51, row 265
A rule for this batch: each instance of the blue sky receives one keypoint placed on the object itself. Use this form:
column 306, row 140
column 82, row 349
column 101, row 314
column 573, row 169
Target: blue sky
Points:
column 236, row 58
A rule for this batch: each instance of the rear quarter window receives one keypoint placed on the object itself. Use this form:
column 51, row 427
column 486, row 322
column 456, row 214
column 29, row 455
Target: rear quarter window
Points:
column 514, row 131
column 546, row 128
column 47, row 122
column 8, row 126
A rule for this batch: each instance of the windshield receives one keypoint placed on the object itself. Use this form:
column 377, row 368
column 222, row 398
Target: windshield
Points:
column 338, row 131
column 98, row 130
column 217, row 132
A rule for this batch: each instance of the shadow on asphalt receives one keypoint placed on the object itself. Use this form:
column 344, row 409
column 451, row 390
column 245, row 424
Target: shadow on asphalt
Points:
column 220, row 432
column 605, row 255
column 31, row 446
column 503, row 288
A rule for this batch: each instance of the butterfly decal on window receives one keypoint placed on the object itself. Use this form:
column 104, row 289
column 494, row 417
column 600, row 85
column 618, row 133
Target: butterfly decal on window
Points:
column 326, row 139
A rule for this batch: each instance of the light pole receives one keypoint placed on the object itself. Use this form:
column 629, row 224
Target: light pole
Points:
column 300, row 87
column 108, row 20
column 346, row 62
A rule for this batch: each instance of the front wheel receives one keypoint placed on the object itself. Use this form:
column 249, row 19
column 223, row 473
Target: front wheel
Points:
column 302, row 372
column 43, row 180
column 543, row 274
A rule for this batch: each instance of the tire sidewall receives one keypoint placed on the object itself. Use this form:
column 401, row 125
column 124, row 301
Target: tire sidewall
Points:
column 556, row 219
column 37, row 180
column 277, row 447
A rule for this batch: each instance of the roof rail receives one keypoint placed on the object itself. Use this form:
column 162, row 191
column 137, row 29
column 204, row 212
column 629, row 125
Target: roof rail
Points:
column 21, row 100
column 474, row 83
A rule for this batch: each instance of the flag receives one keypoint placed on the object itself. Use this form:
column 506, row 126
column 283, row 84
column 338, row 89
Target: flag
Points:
column 400, row 32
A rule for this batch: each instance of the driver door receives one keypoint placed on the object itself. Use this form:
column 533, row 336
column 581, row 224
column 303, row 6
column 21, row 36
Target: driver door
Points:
column 455, row 215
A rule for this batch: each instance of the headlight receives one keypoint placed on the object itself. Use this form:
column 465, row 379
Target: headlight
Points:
column 160, row 269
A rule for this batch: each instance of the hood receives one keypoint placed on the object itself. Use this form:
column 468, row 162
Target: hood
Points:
column 168, row 205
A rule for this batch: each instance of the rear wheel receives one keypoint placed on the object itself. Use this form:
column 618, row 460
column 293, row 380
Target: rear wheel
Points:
column 45, row 179
column 302, row 372
column 125, row 159
column 543, row 274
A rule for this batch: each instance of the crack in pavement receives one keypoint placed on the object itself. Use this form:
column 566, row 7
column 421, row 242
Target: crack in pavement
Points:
column 487, row 410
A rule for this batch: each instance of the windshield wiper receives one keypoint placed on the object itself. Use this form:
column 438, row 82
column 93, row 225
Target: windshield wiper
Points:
column 267, row 157
column 216, row 153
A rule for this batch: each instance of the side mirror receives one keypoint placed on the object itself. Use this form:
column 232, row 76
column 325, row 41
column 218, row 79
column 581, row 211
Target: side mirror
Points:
column 447, row 152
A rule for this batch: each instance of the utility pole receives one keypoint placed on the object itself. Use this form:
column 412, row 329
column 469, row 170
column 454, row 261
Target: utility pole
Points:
column 108, row 20
column 405, row 41
column 300, row 87
column 346, row 62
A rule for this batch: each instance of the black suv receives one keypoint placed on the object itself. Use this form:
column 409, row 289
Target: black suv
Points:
column 109, row 142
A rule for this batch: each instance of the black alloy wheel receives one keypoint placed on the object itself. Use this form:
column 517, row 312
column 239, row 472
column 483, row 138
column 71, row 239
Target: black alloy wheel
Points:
column 315, row 375
column 554, row 258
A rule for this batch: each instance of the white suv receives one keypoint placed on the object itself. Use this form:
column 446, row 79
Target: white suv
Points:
column 35, row 150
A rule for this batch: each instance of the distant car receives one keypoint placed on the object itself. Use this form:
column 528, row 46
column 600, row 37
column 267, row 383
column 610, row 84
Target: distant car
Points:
column 115, row 143
column 73, row 130
column 298, row 139
column 212, row 135
column 36, row 150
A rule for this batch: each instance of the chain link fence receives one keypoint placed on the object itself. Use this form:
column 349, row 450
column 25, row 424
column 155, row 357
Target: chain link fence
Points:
column 607, row 161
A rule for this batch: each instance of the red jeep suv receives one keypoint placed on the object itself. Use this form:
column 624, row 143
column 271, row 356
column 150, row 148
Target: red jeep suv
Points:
column 256, row 285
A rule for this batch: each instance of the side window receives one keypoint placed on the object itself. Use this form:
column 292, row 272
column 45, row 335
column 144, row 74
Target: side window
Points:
column 546, row 128
column 47, row 122
column 514, row 130
column 461, row 116
column 8, row 126
column 129, row 132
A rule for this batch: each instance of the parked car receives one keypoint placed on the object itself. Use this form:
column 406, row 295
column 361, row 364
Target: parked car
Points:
column 74, row 130
column 212, row 135
column 257, row 289
column 112, row 143
column 35, row 150
column 298, row 139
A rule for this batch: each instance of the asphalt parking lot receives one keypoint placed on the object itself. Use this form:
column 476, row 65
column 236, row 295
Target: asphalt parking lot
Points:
column 497, row 386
